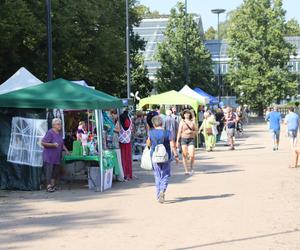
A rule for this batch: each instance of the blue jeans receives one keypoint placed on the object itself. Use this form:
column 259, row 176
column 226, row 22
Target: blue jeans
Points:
column 162, row 172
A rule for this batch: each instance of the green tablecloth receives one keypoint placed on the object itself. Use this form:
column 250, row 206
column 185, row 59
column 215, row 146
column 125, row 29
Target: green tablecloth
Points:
column 110, row 160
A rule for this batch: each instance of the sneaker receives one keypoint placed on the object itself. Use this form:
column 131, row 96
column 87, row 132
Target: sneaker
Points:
column 191, row 172
column 161, row 197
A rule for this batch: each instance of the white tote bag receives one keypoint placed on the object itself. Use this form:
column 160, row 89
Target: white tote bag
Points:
column 146, row 162
column 224, row 136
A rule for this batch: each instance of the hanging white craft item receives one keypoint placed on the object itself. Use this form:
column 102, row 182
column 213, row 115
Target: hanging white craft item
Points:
column 25, row 142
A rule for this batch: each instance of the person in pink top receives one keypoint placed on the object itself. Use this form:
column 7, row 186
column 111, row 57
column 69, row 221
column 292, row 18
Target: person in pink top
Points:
column 125, row 130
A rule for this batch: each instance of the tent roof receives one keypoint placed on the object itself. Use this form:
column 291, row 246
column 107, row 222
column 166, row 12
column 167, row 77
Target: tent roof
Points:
column 21, row 79
column 59, row 93
column 171, row 98
column 189, row 92
column 212, row 99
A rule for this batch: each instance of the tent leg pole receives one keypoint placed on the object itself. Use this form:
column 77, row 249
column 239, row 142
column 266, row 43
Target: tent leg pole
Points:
column 99, row 127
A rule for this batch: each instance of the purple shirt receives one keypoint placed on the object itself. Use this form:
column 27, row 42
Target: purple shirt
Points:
column 53, row 155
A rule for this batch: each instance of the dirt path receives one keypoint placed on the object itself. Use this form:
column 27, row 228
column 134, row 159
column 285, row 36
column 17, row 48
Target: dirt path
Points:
column 245, row 199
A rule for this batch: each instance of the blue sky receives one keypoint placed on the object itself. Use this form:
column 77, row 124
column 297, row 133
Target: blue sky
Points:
column 203, row 8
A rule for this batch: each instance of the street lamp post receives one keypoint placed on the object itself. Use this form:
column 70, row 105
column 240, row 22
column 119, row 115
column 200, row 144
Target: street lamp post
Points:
column 49, row 40
column 187, row 75
column 127, row 50
column 218, row 12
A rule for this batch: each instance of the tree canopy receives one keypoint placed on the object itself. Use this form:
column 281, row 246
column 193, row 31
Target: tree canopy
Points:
column 88, row 41
column 259, row 53
column 182, row 36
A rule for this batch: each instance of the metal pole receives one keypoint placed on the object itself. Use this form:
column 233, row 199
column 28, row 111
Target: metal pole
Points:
column 219, row 68
column 49, row 40
column 99, row 124
column 127, row 50
column 187, row 76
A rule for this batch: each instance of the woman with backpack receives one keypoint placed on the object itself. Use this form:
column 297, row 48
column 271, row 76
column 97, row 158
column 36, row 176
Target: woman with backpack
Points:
column 160, row 141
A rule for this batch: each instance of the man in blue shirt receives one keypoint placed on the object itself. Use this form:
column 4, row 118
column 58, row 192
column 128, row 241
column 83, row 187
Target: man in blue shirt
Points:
column 274, row 120
column 292, row 122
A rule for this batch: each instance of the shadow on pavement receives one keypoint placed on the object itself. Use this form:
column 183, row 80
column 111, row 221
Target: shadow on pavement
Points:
column 20, row 229
column 296, row 230
column 243, row 149
column 225, row 171
column 198, row 198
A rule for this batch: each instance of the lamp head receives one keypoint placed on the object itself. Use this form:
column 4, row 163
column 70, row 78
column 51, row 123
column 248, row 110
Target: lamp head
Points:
column 218, row 11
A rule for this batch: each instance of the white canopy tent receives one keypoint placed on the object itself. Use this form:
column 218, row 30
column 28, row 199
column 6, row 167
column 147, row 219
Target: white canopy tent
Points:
column 83, row 83
column 186, row 90
column 21, row 79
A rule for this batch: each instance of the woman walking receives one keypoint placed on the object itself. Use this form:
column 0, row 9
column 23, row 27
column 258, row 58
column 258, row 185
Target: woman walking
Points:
column 162, row 170
column 208, row 131
column 53, row 146
column 186, row 136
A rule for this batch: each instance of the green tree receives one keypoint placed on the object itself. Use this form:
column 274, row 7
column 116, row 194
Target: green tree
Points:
column 181, row 38
column 293, row 28
column 22, row 33
column 259, row 54
column 88, row 41
column 210, row 34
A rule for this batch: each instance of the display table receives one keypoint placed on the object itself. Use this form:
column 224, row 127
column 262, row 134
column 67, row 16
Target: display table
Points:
column 110, row 160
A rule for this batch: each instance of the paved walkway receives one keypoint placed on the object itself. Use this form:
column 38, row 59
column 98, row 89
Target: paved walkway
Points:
column 244, row 199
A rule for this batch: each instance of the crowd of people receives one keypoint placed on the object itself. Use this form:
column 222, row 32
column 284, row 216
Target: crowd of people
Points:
column 180, row 132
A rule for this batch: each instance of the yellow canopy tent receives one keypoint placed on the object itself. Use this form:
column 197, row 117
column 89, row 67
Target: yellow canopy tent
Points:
column 172, row 98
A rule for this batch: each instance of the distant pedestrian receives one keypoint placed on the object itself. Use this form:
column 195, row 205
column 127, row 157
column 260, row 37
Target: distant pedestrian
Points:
column 160, row 138
column 207, row 128
column 170, row 125
column 231, row 121
column 292, row 122
column 220, row 119
column 274, row 119
column 200, row 121
column 149, row 117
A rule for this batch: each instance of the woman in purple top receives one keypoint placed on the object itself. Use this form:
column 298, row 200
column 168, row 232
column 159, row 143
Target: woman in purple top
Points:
column 53, row 146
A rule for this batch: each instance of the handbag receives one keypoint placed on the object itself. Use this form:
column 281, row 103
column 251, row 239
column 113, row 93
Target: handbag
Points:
column 146, row 162
column 223, row 136
column 209, row 131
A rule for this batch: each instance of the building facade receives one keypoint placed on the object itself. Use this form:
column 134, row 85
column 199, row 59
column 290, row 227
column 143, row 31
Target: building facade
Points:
column 152, row 31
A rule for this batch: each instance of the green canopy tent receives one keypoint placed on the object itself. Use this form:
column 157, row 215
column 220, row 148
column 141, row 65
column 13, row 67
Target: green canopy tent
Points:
column 63, row 94
column 172, row 98
column 60, row 94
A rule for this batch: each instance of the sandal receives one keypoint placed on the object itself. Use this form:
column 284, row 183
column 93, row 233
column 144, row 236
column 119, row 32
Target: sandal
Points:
column 50, row 189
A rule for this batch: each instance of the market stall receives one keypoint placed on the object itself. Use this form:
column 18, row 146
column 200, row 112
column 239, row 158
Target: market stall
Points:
column 21, row 79
column 212, row 100
column 56, row 94
column 172, row 98
column 186, row 90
